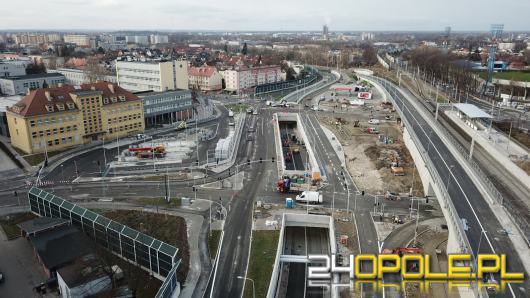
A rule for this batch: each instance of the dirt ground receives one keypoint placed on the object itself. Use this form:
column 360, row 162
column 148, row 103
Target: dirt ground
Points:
column 170, row 229
column 369, row 159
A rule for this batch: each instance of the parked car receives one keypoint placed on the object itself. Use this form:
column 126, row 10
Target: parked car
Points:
column 373, row 121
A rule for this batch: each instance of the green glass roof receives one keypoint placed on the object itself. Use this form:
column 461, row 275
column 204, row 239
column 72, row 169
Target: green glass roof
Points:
column 67, row 205
column 57, row 201
column 90, row 215
column 168, row 249
column 143, row 238
column 78, row 210
column 102, row 220
column 130, row 232
column 47, row 196
column 156, row 244
column 35, row 191
column 116, row 226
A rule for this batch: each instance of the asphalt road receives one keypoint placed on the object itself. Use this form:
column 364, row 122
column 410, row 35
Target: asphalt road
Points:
column 484, row 232
column 235, row 246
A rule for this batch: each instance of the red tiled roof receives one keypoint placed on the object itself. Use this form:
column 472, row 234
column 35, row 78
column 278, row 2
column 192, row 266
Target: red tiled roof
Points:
column 35, row 102
column 205, row 71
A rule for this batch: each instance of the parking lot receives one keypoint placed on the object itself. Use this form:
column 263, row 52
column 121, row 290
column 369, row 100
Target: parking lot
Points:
column 20, row 268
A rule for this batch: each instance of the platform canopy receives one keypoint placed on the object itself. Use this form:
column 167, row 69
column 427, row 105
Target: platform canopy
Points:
column 472, row 111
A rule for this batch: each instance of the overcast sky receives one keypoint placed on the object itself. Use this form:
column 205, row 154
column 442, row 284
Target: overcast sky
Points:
column 271, row 15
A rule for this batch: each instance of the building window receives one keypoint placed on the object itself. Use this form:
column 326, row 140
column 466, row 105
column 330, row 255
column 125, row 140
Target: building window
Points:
column 31, row 122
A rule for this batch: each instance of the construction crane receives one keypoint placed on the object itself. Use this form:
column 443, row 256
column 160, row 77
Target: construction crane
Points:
column 496, row 33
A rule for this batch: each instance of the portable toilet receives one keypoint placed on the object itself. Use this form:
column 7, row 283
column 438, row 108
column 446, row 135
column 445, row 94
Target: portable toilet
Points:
column 289, row 203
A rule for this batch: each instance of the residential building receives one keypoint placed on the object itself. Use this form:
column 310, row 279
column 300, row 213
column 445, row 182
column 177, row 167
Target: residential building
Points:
column 12, row 69
column 155, row 76
column 367, row 36
column 51, row 119
column 166, row 107
column 79, row 77
column 242, row 79
column 85, row 277
column 31, row 38
column 157, row 38
column 137, row 39
column 81, row 40
column 21, row 84
column 205, row 78
column 53, row 37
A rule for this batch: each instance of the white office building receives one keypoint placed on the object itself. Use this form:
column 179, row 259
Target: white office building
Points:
column 21, row 84
column 78, row 77
column 156, row 76
column 12, row 69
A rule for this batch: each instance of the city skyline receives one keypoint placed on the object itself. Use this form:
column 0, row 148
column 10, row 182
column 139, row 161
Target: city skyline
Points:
column 407, row 15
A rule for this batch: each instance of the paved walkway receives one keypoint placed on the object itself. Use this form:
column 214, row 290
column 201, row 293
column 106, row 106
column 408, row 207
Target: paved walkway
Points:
column 20, row 268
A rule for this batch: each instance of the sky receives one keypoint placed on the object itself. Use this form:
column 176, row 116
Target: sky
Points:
column 266, row 15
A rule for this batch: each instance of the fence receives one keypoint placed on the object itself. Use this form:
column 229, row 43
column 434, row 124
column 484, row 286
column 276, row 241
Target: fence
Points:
column 279, row 86
column 150, row 254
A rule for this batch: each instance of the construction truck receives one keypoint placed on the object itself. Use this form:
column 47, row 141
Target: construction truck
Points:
column 396, row 169
column 147, row 152
column 288, row 185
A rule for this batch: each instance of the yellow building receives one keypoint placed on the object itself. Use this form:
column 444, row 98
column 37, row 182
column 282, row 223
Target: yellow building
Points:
column 56, row 118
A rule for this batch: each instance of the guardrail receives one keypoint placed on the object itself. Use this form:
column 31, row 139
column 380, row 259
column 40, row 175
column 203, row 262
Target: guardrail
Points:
column 446, row 198
column 312, row 88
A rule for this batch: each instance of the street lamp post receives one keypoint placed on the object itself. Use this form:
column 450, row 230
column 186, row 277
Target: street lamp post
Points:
column 253, row 288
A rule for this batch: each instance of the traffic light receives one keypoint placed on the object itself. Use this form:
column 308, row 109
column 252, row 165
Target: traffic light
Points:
column 197, row 162
column 362, row 192
column 427, row 199
column 248, row 162
column 260, row 160
column 273, row 159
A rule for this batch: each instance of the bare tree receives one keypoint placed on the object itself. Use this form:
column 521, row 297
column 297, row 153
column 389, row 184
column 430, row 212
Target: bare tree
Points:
column 94, row 70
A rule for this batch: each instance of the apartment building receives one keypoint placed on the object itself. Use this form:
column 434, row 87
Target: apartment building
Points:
column 81, row 40
column 21, row 84
column 50, row 119
column 243, row 79
column 137, row 39
column 36, row 38
column 205, row 78
column 157, row 76
column 157, row 38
